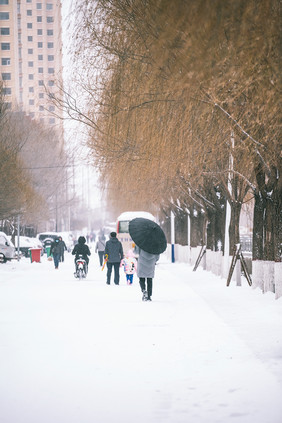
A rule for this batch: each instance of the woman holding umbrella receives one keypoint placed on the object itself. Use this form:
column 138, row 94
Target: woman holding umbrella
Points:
column 151, row 242
column 146, row 271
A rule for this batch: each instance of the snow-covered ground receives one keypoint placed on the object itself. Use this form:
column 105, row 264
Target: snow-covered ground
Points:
column 85, row 352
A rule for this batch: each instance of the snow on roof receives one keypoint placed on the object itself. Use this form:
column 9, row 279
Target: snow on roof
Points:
column 133, row 214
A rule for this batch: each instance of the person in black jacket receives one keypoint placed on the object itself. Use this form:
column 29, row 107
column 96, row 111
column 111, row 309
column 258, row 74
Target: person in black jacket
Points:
column 63, row 248
column 55, row 252
column 114, row 255
column 81, row 249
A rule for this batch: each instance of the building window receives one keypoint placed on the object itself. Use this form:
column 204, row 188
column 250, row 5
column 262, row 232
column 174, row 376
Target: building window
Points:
column 39, row 32
column 49, row 6
column 52, row 121
column 30, row 76
column 50, row 45
column 6, row 76
column 51, row 108
column 51, row 83
column 28, row 1
column 5, row 31
column 40, row 70
column 31, row 90
column 29, row 12
column 50, row 19
column 7, row 91
column 29, row 25
column 5, row 46
column 5, row 61
column 38, row 6
column 40, row 57
column 8, row 105
column 30, row 64
column 50, row 32
column 4, row 16
column 30, row 50
column 4, row 1
column 40, row 44
column 31, row 102
column 41, row 108
column 51, row 70
column 41, row 95
column 39, row 18
column 29, row 38
column 50, row 58
column 40, row 82
column 32, row 114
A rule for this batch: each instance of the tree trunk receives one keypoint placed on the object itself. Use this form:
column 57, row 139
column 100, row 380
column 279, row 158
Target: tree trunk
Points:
column 258, row 227
column 234, row 230
column 277, row 239
column 215, row 230
column 267, row 216
column 272, row 226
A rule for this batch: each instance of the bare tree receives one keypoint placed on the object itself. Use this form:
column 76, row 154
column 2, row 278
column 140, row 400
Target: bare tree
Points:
column 170, row 84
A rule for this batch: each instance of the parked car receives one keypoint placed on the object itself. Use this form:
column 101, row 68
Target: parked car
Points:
column 46, row 238
column 26, row 243
column 7, row 248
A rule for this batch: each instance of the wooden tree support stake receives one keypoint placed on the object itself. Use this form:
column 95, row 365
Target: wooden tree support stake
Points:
column 237, row 255
column 200, row 256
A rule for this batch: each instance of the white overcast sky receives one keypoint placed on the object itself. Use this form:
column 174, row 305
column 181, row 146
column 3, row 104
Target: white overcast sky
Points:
column 86, row 176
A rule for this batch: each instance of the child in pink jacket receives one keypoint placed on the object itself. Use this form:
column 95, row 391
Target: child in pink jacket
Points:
column 130, row 266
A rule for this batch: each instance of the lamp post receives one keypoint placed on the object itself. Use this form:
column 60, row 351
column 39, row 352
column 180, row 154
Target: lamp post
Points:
column 18, row 235
column 188, row 234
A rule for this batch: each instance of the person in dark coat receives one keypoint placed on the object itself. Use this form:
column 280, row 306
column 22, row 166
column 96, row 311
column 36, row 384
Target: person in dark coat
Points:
column 63, row 248
column 114, row 253
column 81, row 249
column 146, row 271
column 56, row 251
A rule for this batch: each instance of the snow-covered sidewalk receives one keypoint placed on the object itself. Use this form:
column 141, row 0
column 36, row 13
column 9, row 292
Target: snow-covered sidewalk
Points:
column 85, row 352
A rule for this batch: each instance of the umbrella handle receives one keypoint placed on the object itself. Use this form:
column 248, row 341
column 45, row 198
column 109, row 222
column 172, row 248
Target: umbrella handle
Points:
column 105, row 261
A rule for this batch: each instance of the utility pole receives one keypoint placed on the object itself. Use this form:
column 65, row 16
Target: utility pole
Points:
column 172, row 229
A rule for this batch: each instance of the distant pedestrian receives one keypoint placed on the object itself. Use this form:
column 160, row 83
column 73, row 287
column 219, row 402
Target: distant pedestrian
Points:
column 100, row 248
column 92, row 236
column 146, row 272
column 55, row 251
column 63, row 248
column 114, row 252
column 130, row 266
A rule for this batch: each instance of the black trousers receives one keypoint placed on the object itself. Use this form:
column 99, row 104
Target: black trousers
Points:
column 149, row 289
column 109, row 272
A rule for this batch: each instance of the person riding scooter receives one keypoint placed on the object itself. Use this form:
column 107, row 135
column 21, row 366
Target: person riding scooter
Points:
column 81, row 249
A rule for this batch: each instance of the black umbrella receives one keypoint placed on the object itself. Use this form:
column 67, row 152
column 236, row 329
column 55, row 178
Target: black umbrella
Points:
column 147, row 235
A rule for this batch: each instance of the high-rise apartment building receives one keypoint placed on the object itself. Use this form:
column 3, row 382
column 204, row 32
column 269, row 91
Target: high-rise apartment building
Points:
column 31, row 70
column 31, row 56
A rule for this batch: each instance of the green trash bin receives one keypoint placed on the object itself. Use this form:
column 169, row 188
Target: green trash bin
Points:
column 48, row 249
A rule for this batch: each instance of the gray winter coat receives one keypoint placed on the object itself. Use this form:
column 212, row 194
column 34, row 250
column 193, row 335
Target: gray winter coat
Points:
column 146, row 264
column 101, row 243
column 114, row 250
